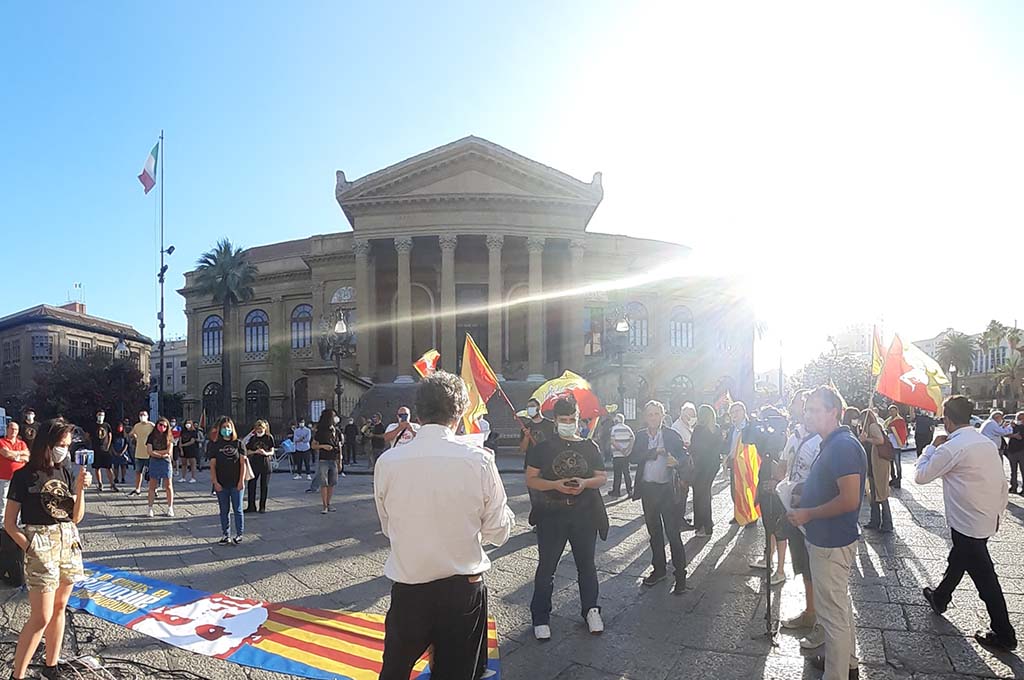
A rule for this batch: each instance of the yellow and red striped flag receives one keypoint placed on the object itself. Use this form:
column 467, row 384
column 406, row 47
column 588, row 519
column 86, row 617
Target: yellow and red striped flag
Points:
column 746, row 467
column 877, row 353
column 480, row 381
column 427, row 364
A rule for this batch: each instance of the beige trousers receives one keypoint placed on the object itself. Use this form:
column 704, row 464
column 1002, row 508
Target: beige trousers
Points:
column 830, row 574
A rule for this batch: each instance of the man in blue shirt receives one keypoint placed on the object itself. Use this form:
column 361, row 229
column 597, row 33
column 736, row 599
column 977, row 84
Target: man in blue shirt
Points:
column 827, row 509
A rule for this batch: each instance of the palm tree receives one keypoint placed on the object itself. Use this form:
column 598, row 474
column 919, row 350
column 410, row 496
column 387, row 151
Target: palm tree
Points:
column 1011, row 374
column 990, row 339
column 224, row 274
column 956, row 349
column 1013, row 338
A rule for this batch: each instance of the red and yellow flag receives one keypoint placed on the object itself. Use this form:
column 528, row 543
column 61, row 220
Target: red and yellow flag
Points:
column 427, row 364
column 877, row 353
column 480, row 381
column 746, row 467
column 911, row 377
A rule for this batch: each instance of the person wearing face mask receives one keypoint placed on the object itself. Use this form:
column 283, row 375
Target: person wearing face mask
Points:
column 139, row 436
column 259, row 449
column 103, row 456
column 621, row 441
column 301, row 438
column 227, row 470
column 732, row 444
column 119, row 449
column 402, row 432
column 684, row 425
column 327, row 441
column 351, row 437
column 158, row 446
column 567, row 473
column 189, row 447
column 177, row 464
column 29, row 427
column 536, row 428
column 377, row 443
column 50, row 499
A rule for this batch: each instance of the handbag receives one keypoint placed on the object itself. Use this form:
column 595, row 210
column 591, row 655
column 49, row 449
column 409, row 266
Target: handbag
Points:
column 247, row 473
column 885, row 450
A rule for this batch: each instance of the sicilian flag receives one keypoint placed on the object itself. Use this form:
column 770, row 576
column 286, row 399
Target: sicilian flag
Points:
column 911, row 377
column 572, row 385
column 877, row 353
column 148, row 174
column 746, row 466
column 480, row 382
column 427, row 364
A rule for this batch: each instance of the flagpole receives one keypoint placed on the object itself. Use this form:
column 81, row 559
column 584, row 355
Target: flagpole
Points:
column 163, row 270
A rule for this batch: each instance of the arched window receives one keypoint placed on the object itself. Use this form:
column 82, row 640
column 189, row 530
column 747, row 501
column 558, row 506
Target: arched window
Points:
column 213, row 336
column 213, row 405
column 680, row 329
column 257, row 331
column 257, row 402
column 636, row 313
column 302, row 327
column 682, row 391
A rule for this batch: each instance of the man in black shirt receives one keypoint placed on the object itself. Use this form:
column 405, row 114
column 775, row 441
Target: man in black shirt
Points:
column 566, row 474
column 377, row 443
column 29, row 427
column 351, row 437
column 924, row 431
column 1015, row 454
column 103, row 457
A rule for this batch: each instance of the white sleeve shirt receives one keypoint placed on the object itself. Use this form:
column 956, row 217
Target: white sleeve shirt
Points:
column 995, row 431
column 439, row 501
column 973, row 486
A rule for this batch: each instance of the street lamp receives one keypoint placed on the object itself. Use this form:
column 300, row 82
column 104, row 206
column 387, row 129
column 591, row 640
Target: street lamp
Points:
column 622, row 331
column 952, row 380
column 161, row 275
column 342, row 347
column 122, row 352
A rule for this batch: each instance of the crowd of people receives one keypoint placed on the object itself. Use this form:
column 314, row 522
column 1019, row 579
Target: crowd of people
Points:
column 829, row 459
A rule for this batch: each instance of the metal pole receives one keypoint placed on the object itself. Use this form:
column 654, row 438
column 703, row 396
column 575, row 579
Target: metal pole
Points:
column 160, row 387
column 338, row 390
column 622, row 388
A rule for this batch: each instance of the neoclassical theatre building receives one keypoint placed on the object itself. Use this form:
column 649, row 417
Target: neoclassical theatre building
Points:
column 468, row 238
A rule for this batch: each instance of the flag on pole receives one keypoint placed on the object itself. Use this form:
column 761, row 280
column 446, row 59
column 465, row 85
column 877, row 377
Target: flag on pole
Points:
column 427, row 364
column 480, row 382
column 570, row 385
column 722, row 401
column 877, row 353
column 148, row 174
column 911, row 377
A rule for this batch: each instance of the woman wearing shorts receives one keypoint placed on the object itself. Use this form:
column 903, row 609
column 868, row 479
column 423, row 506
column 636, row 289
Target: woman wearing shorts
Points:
column 189, row 451
column 327, row 442
column 51, row 501
column 159, row 447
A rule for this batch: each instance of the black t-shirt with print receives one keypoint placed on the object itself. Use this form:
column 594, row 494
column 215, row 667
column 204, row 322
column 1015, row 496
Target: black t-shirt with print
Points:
column 540, row 431
column 330, row 438
column 559, row 458
column 46, row 498
column 260, row 443
column 228, row 455
column 160, row 441
column 101, row 438
column 28, row 433
column 188, row 438
column 377, row 443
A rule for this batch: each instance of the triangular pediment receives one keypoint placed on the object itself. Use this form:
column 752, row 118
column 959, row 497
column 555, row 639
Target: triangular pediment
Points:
column 466, row 168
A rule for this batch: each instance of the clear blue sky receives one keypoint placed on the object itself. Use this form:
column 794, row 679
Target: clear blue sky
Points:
column 899, row 123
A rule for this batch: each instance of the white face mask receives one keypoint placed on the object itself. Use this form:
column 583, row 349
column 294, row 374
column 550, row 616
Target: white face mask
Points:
column 337, row 420
column 59, row 453
column 143, row 419
column 567, row 430
column 531, row 411
column 99, row 419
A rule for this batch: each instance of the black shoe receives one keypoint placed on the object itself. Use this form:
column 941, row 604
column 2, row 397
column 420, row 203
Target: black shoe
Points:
column 51, row 672
column 929, row 595
column 225, row 540
column 818, row 662
column 1013, row 489
column 237, row 540
column 733, row 521
column 686, row 525
column 873, row 527
column 990, row 640
column 261, row 510
column 655, row 577
column 614, row 494
column 679, row 589
column 248, row 510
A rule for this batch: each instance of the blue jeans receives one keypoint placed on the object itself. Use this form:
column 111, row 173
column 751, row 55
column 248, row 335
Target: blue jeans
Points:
column 231, row 497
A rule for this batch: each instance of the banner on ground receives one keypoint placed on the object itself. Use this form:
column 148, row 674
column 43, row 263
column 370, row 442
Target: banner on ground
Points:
column 299, row 641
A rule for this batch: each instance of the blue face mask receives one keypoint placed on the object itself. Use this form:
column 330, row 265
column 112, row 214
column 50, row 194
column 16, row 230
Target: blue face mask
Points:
column 225, row 431
column 403, row 417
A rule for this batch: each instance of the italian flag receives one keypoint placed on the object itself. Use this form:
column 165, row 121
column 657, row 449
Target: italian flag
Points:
column 148, row 174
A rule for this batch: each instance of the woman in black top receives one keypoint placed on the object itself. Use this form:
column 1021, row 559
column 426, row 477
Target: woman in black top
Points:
column 705, row 450
column 189, row 451
column 327, row 440
column 119, row 447
column 51, row 501
column 227, row 470
column 259, row 449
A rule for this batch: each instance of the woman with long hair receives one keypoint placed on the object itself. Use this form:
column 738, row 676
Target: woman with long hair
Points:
column 327, row 441
column 227, row 470
column 159, row 445
column 51, row 501
column 705, row 449
column 872, row 436
column 258, row 449
column 119, row 445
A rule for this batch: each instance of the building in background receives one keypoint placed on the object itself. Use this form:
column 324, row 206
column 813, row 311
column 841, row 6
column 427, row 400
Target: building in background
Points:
column 854, row 339
column 34, row 339
column 468, row 238
column 175, row 367
column 980, row 382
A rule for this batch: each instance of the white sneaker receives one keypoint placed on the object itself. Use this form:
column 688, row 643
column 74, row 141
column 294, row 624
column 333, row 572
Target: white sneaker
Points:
column 181, row 480
column 309, row 478
column 542, row 633
column 192, row 481
column 170, row 511
column 758, row 564
column 296, row 476
column 814, row 639
column 324, row 511
column 151, row 512
column 594, row 622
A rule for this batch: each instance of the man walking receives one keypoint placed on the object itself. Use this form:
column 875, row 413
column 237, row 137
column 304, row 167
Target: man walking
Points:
column 438, row 492
column 621, row 438
column 828, row 508
column 974, row 491
column 140, row 435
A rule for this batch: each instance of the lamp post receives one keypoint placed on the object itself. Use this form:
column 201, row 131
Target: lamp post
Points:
column 121, row 351
column 622, row 331
column 341, row 348
column 161, row 275
column 952, row 380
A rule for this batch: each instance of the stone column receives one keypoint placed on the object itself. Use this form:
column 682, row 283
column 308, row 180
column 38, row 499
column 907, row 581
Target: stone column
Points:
column 535, row 316
column 372, row 335
column 403, row 326
column 449, row 352
column 494, row 298
column 364, row 315
column 574, row 336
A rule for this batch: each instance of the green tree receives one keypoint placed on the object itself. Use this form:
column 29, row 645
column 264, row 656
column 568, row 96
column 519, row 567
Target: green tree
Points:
column 225, row 275
column 992, row 337
column 1013, row 338
column 851, row 374
column 956, row 349
column 77, row 388
column 1011, row 375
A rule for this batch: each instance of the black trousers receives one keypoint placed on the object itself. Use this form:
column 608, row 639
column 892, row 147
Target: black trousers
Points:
column 704, row 477
column 970, row 555
column 662, row 516
column 896, row 467
column 349, row 451
column 450, row 614
column 1016, row 459
column 620, row 466
column 574, row 526
column 260, row 468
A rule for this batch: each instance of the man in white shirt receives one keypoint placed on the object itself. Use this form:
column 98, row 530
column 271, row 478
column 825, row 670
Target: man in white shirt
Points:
column 301, row 438
column 684, row 425
column 622, row 439
column 975, row 494
column 995, row 429
column 403, row 431
column 439, row 501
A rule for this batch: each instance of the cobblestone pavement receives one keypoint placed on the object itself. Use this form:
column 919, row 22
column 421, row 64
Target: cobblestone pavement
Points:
column 294, row 554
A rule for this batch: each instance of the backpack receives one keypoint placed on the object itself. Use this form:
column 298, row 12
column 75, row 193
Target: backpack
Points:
column 12, row 561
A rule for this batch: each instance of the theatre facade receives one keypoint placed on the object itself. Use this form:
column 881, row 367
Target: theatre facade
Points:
column 469, row 238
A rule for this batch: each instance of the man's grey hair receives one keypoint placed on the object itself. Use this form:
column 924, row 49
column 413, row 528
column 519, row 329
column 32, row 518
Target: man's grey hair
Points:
column 441, row 398
column 996, row 414
column 654, row 403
